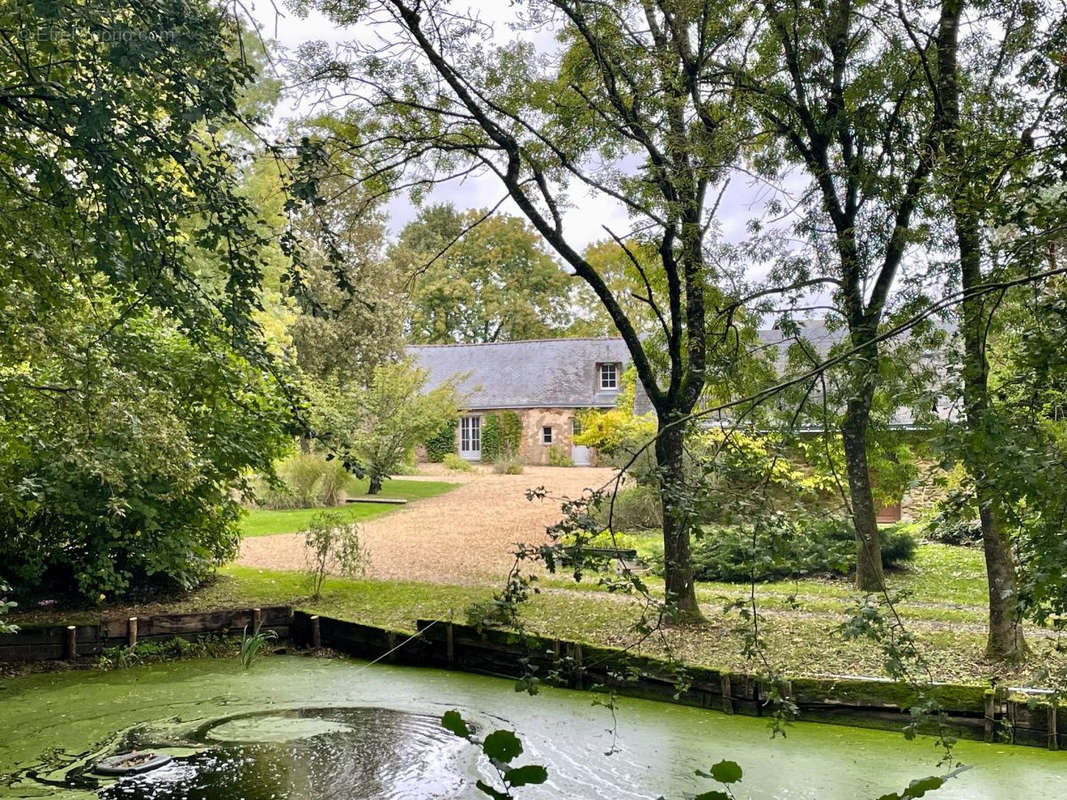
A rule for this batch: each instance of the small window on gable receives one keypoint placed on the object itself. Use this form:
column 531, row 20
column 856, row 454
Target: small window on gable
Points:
column 546, row 434
column 609, row 376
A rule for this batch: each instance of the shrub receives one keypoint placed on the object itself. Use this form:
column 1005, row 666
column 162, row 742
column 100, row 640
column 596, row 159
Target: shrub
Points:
column 5, row 606
column 442, row 443
column 959, row 532
column 557, row 457
column 508, row 466
column 637, row 508
column 454, row 462
column 306, row 481
column 617, row 435
column 733, row 554
column 330, row 541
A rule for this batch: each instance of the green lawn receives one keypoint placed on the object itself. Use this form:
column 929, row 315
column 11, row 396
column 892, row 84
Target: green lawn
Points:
column 262, row 522
column 800, row 640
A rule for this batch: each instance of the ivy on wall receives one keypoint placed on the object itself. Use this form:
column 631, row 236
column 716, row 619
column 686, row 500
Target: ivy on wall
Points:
column 501, row 435
column 441, row 443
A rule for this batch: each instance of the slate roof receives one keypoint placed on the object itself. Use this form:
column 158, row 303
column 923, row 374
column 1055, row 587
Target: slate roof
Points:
column 539, row 373
column 562, row 373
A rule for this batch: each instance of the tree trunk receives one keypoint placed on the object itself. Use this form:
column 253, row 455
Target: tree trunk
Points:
column 1005, row 641
column 375, row 483
column 869, row 576
column 678, row 568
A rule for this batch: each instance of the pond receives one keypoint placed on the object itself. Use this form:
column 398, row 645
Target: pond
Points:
column 303, row 727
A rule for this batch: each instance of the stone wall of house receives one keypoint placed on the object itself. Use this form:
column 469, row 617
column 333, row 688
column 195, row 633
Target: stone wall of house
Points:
column 534, row 420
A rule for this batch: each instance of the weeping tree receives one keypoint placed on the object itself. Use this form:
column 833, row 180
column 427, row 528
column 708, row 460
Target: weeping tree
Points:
column 618, row 109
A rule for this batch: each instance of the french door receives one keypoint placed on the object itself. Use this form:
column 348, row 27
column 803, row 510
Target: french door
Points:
column 470, row 438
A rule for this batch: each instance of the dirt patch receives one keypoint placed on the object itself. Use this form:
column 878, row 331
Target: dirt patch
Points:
column 464, row 536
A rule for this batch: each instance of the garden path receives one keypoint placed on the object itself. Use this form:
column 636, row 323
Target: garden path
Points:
column 466, row 535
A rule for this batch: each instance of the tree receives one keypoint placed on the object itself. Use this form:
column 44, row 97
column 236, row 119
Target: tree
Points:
column 624, row 113
column 123, row 450
column 479, row 280
column 624, row 277
column 840, row 89
column 382, row 422
column 136, row 391
column 350, row 302
column 991, row 100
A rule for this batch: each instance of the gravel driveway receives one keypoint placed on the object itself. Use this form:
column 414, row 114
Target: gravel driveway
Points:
column 466, row 535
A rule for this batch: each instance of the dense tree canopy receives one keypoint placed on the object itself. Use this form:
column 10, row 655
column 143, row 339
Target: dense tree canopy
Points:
column 479, row 279
column 135, row 389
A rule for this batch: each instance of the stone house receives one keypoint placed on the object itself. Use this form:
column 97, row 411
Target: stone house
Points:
column 546, row 382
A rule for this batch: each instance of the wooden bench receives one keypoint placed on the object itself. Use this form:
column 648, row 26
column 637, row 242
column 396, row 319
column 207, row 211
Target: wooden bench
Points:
column 385, row 501
column 600, row 554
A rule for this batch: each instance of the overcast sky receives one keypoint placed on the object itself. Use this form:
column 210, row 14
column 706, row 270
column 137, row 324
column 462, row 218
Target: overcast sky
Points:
column 584, row 221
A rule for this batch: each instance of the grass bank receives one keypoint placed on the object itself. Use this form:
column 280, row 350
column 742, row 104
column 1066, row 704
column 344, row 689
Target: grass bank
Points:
column 799, row 620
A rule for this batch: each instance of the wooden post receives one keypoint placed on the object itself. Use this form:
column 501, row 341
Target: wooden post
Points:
column 71, row 646
column 257, row 620
column 316, row 632
column 450, row 645
column 1053, row 734
column 727, row 694
column 131, row 632
column 990, row 715
column 1012, row 714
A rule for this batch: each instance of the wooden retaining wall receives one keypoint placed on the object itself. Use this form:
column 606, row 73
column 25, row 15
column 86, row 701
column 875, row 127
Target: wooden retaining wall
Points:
column 974, row 712
column 39, row 643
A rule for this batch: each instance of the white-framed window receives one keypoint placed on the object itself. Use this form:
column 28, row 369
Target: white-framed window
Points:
column 546, row 434
column 576, row 426
column 609, row 376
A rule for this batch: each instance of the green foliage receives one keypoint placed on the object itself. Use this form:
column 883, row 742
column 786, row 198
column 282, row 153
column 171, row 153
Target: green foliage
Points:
column 124, row 473
column 255, row 644
column 724, row 772
column 790, row 549
column 382, row 422
column 501, row 435
column 149, row 652
column 441, row 443
column 5, row 606
column 457, row 464
column 946, row 529
column 136, row 391
column 501, row 747
column 618, row 434
column 635, row 508
column 493, row 282
column 557, row 457
column 304, row 480
column 332, row 543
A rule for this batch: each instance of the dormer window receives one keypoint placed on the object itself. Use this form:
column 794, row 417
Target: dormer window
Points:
column 609, row 376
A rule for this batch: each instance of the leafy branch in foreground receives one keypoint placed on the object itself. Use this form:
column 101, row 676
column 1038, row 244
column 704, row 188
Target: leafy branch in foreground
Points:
column 501, row 748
